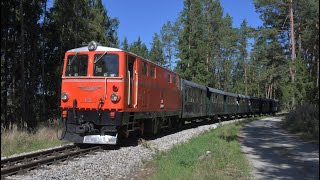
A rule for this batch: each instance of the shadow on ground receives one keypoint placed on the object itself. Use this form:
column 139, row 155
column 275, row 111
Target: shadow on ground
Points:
column 276, row 154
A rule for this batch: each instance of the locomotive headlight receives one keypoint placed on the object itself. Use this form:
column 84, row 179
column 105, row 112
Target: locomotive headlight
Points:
column 64, row 97
column 92, row 46
column 114, row 98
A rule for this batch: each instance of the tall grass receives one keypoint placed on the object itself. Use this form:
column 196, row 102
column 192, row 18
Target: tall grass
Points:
column 214, row 155
column 14, row 141
column 304, row 120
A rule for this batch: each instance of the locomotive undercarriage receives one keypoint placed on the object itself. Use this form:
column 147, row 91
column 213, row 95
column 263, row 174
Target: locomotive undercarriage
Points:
column 93, row 127
column 107, row 127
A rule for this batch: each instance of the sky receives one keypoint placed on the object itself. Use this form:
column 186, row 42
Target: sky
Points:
column 145, row 17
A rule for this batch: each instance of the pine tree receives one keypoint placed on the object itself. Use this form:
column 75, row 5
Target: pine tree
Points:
column 228, row 54
column 192, row 65
column 139, row 48
column 156, row 53
column 241, row 70
column 168, row 39
column 124, row 44
column 213, row 15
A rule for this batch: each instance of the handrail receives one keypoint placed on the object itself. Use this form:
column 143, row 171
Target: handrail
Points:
column 129, row 85
column 136, row 103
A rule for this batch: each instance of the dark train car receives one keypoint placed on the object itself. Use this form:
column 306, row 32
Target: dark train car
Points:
column 230, row 104
column 244, row 105
column 194, row 100
column 255, row 107
column 215, row 102
column 274, row 106
column 265, row 105
column 107, row 92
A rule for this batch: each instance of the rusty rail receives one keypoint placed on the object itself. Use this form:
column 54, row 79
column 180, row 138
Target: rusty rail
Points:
column 20, row 164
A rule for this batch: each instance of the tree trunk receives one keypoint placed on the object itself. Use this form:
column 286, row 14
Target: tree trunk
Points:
column 300, row 40
column 271, row 87
column 317, row 83
column 44, row 94
column 23, row 98
column 245, row 77
column 5, row 94
column 293, row 55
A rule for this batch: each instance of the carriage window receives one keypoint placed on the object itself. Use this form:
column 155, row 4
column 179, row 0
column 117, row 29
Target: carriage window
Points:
column 169, row 78
column 107, row 65
column 174, row 79
column 77, row 65
column 178, row 82
column 152, row 72
column 144, row 68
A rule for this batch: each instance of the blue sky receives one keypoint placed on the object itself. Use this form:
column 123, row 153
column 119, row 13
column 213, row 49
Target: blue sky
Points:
column 145, row 17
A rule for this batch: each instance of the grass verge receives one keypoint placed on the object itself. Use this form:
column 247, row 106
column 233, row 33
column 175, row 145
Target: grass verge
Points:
column 214, row 155
column 15, row 142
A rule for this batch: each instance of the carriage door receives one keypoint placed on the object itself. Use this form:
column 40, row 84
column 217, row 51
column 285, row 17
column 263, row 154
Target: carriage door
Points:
column 132, row 78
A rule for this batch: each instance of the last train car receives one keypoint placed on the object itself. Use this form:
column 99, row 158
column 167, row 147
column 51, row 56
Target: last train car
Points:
column 107, row 93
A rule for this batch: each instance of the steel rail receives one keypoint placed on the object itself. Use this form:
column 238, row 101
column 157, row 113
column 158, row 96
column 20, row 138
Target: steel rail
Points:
column 17, row 159
column 14, row 167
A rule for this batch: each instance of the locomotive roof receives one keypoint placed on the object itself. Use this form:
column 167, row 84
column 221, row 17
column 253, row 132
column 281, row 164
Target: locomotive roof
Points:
column 105, row 48
column 216, row 90
column 194, row 84
column 99, row 48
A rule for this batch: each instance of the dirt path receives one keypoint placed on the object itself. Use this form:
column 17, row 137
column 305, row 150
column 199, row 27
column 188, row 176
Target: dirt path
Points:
column 276, row 154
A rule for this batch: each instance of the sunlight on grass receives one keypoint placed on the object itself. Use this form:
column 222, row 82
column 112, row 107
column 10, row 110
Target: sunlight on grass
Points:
column 214, row 155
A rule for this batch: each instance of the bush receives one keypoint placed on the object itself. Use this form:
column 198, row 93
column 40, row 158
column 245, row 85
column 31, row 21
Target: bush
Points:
column 304, row 120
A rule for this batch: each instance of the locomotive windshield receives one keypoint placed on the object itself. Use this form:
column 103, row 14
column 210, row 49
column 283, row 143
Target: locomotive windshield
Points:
column 107, row 65
column 77, row 65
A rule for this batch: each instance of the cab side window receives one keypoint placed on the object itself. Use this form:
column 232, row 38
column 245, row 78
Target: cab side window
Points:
column 144, row 68
column 152, row 72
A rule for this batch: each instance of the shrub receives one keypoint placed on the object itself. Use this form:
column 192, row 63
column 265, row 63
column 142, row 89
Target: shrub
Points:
column 304, row 120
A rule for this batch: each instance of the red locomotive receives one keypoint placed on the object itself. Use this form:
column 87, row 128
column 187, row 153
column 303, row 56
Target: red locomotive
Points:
column 107, row 93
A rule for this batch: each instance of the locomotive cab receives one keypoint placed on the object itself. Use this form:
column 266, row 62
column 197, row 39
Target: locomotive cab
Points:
column 108, row 93
column 94, row 93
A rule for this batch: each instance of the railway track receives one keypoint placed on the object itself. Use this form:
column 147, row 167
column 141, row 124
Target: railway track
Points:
column 24, row 163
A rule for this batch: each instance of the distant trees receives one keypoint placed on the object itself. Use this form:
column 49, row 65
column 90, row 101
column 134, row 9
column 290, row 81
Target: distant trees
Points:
column 288, row 26
column 213, row 53
column 34, row 41
column 139, row 48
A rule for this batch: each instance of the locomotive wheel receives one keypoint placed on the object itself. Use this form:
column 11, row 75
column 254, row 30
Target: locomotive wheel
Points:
column 156, row 125
column 180, row 124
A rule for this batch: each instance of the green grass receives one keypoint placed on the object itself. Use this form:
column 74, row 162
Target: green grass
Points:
column 190, row 160
column 15, row 142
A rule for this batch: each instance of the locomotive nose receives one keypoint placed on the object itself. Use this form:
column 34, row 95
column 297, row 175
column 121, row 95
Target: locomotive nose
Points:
column 86, row 92
column 90, row 92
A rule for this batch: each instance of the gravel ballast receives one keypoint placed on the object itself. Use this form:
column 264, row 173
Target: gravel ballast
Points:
column 119, row 163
